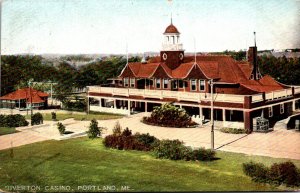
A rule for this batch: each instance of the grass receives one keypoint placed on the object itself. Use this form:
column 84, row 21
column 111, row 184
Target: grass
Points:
column 232, row 130
column 82, row 161
column 86, row 117
column 7, row 130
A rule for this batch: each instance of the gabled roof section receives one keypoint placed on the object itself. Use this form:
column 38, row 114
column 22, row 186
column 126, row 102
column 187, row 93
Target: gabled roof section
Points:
column 27, row 94
column 146, row 70
column 182, row 70
column 127, row 72
column 161, row 72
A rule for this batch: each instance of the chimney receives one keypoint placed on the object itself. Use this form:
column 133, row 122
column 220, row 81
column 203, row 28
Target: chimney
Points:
column 252, row 58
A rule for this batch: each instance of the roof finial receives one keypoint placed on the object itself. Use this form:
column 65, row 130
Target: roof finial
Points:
column 195, row 50
column 126, row 52
column 254, row 38
column 171, row 18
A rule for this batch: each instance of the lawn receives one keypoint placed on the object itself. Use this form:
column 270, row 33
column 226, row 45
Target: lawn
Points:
column 7, row 130
column 87, row 117
column 81, row 161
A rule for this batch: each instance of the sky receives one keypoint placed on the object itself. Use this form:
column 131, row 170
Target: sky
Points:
column 106, row 26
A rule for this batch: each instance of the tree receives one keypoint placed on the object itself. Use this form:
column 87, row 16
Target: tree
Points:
column 94, row 130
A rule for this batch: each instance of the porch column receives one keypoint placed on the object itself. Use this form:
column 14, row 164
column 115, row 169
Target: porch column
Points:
column 128, row 105
column 146, row 109
column 294, row 105
column 115, row 103
column 201, row 115
column 224, row 116
column 100, row 102
column 248, row 122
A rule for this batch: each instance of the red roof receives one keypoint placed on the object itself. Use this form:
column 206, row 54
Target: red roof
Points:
column 221, row 68
column 27, row 94
column 171, row 29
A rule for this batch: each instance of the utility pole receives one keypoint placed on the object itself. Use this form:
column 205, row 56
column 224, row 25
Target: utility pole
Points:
column 212, row 114
column 31, row 111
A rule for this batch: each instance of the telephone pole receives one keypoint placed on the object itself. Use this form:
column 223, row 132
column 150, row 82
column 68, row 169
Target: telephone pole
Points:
column 212, row 114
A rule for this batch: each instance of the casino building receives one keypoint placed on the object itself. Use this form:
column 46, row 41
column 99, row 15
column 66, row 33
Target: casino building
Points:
column 238, row 90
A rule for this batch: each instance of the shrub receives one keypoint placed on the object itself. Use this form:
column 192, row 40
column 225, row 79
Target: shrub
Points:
column 37, row 119
column 175, row 150
column 13, row 121
column 146, row 139
column 94, row 130
column 117, row 129
column 127, row 141
column 61, row 128
column 53, row 116
column 282, row 173
column 170, row 116
column 169, row 149
column 232, row 130
column 257, row 171
column 204, row 154
column 285, row 172
column 126, row 132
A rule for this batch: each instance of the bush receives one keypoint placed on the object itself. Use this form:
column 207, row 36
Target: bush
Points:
column 232, row 130
column 94, row 130
column 169, row 149
column 13, row 121
column 175, row 150
column 148, row 140
column 37, row 119
column 204, row 154
column 61, row 128
column 257, row 171
column 127, row 141
column 282, row 173
column 285, row 173
column 170, row 116
column 53, row 116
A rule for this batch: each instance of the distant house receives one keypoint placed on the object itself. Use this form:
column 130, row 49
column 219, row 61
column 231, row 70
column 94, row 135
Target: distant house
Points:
column 23, row 98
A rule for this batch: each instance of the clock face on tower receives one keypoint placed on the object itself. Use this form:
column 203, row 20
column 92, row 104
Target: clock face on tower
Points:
column 181, row 56
column 165, row 56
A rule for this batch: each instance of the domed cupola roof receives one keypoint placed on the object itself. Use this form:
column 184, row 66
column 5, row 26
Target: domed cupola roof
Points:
column 171, row 29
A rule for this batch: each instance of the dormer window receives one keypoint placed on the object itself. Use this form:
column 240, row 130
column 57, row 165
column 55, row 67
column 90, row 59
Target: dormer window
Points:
column 202, row 85
column 126, row 82
column 158, row 83
column 166, row 82
column 193, row 85
column 132, row 82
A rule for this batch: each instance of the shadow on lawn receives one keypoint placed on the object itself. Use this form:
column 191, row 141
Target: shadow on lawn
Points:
column 68, row 132
column 47, row 159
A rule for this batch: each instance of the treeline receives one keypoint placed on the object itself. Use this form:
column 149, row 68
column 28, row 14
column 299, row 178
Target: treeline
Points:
column 17, row 70
column 284, row 70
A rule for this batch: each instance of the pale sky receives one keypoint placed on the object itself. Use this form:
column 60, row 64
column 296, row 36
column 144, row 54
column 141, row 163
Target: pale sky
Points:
column 105, row 26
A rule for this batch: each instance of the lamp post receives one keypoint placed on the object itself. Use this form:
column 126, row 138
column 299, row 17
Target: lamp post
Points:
column 212, row 114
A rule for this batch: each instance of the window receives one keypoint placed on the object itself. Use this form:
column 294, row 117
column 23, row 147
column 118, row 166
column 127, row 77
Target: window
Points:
column 202, row 85
column 166, row 82
column 180, row 83
column 270, row 111
column 175, row 84
column 132, row 82
column 193, row 85
column 281, row 108
column 158, row 83
column 125, row 82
